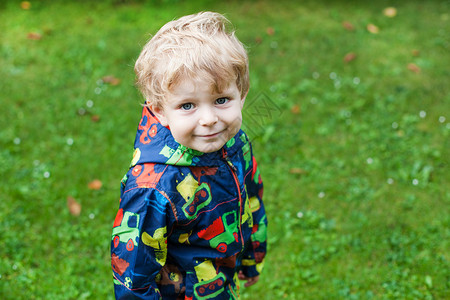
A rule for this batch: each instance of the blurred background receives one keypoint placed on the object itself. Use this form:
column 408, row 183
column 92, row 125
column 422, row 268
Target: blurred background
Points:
column 348, row 113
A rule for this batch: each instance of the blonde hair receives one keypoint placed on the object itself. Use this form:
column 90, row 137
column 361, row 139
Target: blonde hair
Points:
column 202, row 46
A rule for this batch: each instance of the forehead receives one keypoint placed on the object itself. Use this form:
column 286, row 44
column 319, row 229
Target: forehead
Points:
column 187, row 85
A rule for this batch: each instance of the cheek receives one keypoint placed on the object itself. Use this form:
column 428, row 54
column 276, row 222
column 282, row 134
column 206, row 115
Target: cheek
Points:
column 236, row 118
column 233, row 113
column 180, row 130
column 234, row 126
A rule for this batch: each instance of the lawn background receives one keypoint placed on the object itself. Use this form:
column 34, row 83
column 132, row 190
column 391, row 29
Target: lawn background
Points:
column 350, row 125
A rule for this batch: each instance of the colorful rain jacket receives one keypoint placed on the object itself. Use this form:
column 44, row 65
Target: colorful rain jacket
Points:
column 188, row 221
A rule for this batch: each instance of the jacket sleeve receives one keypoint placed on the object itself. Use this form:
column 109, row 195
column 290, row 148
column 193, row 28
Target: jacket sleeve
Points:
column 252, row 262
column 139, row 243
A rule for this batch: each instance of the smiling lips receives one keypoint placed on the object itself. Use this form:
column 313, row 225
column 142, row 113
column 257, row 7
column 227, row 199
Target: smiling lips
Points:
column 211, row 135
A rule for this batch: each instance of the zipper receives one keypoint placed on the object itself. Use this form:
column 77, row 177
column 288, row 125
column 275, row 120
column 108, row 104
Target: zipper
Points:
column 233, row 170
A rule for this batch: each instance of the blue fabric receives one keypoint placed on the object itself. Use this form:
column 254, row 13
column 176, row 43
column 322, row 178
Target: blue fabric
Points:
column 187, row 221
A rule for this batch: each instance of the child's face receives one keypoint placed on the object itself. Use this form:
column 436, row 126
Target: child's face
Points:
column 198, row 117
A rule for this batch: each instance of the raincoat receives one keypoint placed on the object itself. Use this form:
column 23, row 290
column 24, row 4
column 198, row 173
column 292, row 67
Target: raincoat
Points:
column 188, row 221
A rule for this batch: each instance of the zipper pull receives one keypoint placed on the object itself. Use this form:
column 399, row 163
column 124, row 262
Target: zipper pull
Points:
column 225, row 156
column 231, row 165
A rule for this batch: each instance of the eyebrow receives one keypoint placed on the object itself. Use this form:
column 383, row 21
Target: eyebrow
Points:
column 182, row 98
column 225, row 92
column 179, row 101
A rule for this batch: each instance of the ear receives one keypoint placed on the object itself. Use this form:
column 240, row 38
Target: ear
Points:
column 159, row 113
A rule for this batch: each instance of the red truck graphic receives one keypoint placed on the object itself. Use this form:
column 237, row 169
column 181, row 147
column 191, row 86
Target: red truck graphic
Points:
column 222, row 231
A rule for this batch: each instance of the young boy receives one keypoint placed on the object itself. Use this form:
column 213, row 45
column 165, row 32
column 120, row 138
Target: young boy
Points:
column 191, row 221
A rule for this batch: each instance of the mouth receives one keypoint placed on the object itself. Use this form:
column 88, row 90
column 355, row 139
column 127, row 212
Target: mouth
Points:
column 209, row 136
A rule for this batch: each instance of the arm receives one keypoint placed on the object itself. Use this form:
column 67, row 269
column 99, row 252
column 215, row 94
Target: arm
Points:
column 252, row 262
column 139, row 243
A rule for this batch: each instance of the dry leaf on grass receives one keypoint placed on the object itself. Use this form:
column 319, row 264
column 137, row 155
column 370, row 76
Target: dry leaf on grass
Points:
column 390, row 12
column 373, row 28
column 95, row 184
column 111, row 80
column 95, row 118
column 348, row 26
column 295, row 109
column 414, row 68
column 34, row 36
column 25, row 5
column 349, row 57
column 74, row 206
column 297, row 171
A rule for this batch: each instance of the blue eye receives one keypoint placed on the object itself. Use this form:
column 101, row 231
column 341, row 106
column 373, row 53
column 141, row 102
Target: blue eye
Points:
column 187, row 106
column 222, row 100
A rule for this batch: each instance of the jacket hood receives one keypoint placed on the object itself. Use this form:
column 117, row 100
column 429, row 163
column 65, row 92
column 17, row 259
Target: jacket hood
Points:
column 154, row 143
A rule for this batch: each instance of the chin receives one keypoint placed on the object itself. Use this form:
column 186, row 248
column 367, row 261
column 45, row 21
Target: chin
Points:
column 210, row 149
column 213, row 147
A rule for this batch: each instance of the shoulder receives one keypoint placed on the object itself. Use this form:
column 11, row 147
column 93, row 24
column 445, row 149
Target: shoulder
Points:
column 147, row 181
column 152, row 175
column 239, row 150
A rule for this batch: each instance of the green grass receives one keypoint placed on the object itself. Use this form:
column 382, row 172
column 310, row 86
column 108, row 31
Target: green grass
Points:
column 354, row 155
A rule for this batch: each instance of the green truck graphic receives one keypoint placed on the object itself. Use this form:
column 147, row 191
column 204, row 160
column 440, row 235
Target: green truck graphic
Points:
column 126, row 229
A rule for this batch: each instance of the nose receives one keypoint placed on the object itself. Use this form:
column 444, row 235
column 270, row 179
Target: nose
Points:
column 208, row 117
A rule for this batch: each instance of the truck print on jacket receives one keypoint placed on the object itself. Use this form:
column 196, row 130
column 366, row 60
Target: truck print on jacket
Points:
column 188, row 221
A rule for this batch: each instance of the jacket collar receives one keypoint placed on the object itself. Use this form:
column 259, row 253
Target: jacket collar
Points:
column 154, row 143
